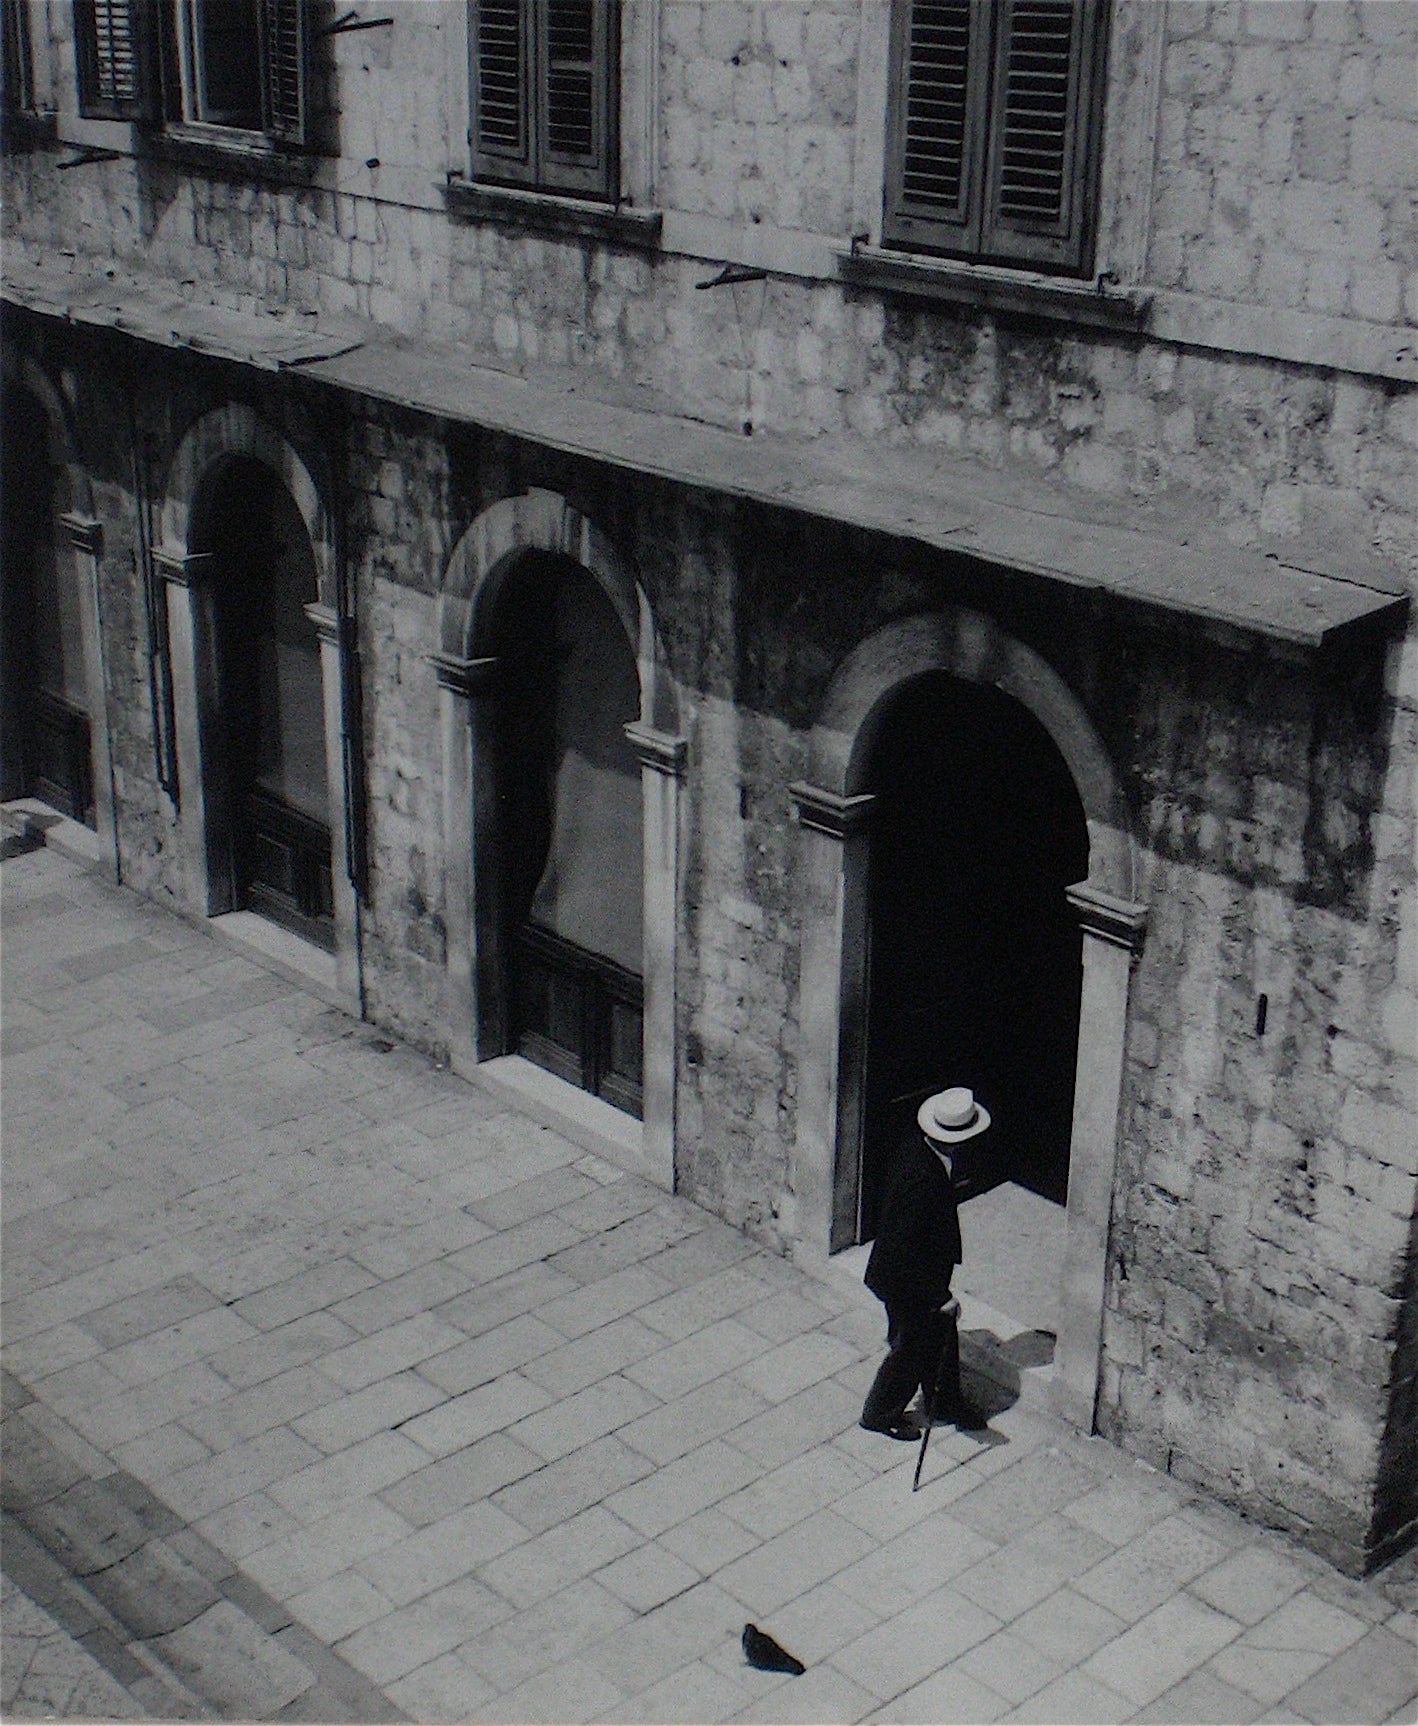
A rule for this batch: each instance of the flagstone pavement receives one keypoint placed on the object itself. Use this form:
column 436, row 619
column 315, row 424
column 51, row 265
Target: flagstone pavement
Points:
column 336, row 1390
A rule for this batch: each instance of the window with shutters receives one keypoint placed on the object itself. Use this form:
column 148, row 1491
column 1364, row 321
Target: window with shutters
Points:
column 106, row 47
column 992, row 144
column 544, row 83
column 239, row 65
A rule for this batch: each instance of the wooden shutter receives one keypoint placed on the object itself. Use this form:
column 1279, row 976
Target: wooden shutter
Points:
column 285, row 79
column 19, row 77
column 939, row 83
column 1038, row 198
column 501, row 76
column 575, row 82
column 108, row 45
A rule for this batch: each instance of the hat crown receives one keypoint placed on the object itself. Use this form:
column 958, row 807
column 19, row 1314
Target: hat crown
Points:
column 954, row 1109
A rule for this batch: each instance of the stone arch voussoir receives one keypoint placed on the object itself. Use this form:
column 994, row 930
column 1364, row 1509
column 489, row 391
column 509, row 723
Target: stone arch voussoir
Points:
column 237, row 430
column 975, row 649
column 540, row 520
column 73, row 493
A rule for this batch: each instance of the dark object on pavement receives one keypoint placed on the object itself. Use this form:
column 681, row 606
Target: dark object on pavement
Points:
column 762, row 1651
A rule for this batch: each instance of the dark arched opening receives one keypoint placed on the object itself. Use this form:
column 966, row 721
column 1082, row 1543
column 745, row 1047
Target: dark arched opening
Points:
column 270, row 696
column 46, row 743
column 570, row 826
column 975, row 958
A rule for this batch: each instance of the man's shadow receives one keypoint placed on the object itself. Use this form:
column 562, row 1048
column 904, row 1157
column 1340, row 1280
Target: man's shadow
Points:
column 991, row 1371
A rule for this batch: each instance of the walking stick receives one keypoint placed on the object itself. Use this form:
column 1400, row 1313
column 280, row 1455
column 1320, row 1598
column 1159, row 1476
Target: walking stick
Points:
column 930, row 1422
column 952, row 1310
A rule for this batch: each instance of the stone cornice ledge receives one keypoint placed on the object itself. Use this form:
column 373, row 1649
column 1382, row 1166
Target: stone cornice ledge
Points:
column 826, row 812
column 1118, row 921
column 657, row 749
column 183, row 569
column 84, row 531
column 576, row 218
column 465, row 677
column 1023, row 292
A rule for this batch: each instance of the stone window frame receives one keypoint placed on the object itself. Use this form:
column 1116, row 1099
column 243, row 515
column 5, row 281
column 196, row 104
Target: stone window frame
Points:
column 203, row 817
column 133, row 63
column 1128, row 140
column 80, row 532
column 475, row 1008
column 833, row 811
column 631, row 219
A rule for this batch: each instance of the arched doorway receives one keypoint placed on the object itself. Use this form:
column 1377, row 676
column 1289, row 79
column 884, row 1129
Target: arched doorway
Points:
column 975, row 955
column 47, row 747
column 269, row 696
column 570, row 822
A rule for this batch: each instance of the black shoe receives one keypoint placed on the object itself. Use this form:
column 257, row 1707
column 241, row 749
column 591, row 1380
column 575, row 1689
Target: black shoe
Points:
column 901, row 1428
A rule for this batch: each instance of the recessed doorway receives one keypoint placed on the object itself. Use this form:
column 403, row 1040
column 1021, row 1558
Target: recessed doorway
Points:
column 975, row 964
column 47, row 745
column 571, row 822
column 270, row 699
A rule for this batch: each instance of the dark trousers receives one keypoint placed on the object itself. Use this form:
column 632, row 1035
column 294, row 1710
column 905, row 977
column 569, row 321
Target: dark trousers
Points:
column 916, row 1341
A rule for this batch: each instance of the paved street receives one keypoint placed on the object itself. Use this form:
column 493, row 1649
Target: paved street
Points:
column 335, row 1390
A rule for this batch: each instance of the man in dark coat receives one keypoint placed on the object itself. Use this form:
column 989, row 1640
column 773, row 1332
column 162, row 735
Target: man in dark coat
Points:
column 915, row 1253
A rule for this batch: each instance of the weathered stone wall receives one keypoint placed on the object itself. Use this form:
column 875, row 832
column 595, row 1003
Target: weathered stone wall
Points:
column 1266, row 1183
column 1285, row 156
column 1260, row 1320
column 759, row 110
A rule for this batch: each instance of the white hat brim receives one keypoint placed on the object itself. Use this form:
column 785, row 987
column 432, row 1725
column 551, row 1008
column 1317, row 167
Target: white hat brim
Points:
column 940, row 1135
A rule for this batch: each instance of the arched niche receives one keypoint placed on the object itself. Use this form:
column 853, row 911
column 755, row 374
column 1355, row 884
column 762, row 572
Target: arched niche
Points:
column 466, row 668
column 834, row 812
column 79, row 539
column 208, row 449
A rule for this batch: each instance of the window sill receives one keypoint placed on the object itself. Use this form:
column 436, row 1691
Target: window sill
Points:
column 543, row 213
column 243, row 155
column 1019, row 291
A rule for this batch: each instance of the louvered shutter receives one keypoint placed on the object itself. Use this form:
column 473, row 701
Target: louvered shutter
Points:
column 574, row 88
column 19, row 80
column 501, row 75
column 285, row 76
column 1045, row 87
column 939, row 65
column 109, row 50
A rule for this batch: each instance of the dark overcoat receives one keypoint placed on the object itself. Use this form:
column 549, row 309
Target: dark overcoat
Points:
column 917, row 1244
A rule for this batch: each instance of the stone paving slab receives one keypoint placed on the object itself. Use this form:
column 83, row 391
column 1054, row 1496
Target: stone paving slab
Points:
column 341, row 1391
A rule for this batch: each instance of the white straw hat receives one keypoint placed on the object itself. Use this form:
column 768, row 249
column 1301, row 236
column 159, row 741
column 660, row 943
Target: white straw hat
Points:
column 952, row 1116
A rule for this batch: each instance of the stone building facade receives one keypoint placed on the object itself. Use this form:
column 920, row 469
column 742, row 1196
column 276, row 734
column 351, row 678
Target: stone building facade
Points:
column 969, row 657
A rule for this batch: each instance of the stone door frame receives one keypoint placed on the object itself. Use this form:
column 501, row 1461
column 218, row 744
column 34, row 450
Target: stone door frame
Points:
column 78, row 534
column 833, row 812
column 205, row 817
column 466, row 667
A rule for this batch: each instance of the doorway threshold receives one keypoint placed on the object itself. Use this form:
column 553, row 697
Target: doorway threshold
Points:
column 586, row 1120
column 300, row 962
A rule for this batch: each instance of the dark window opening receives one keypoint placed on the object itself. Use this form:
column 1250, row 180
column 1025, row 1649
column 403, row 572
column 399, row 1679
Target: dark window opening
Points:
column 993, row 124
column 544, row 81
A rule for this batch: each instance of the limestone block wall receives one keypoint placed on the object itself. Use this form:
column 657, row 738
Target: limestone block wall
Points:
column 1285, row 157
column 759, row 111
column 1261, row 1240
